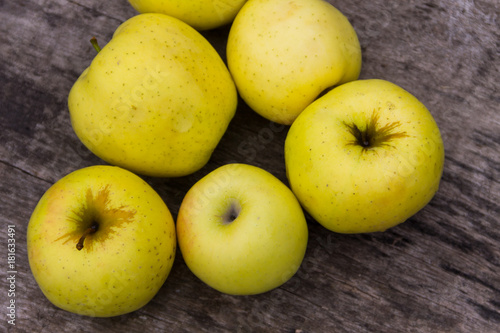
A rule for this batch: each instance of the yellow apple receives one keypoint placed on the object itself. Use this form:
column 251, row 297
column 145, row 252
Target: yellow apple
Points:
column 101, row 242
column 283, row 54
column 364, row 157
column 156, row 99
column 241, row 230
column 200, row 14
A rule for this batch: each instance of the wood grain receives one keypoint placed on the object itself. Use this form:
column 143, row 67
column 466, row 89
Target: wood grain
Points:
column 438, row 272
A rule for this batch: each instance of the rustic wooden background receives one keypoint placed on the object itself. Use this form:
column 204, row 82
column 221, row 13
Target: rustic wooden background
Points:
column 438, row 272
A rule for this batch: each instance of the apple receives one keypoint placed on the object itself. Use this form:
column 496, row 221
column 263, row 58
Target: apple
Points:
column 241, row 230
column 364, row 157
column 101, row 242
column 200, row 14
column 283, row 54
column 156, row 99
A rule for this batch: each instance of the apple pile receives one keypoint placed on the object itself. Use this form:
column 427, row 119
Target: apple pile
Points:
column 156, row 100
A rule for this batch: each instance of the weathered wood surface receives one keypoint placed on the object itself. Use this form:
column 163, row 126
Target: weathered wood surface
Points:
column 438, row 272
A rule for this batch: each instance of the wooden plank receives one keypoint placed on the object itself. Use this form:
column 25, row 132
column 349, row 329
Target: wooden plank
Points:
column 438, row 272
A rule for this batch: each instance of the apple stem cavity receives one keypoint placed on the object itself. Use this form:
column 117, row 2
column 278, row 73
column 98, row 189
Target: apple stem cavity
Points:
column 94, row 43
column 93, row 228
column 362, row 137
column 374, row 135
column 231, row 213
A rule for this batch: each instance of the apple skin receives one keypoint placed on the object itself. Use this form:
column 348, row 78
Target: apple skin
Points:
column 259, row 250
column 123, row 264
column 156, row 100
column 349, row 188
column 283, row 54
column 200, row 14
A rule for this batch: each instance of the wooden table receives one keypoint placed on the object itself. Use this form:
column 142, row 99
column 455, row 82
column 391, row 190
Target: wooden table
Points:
column 438, row 272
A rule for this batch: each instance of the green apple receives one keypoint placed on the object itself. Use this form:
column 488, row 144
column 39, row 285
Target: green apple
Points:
column 364, row 157
column 241, row 230
column 283, row 54
column 101, row 242
column 200, row 14
column 156, row 99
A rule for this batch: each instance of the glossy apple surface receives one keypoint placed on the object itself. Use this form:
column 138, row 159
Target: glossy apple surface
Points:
column 101, row 242
column 241, row 230
column 364, row 157
column 283, row 54
column 200, row 14
column 155, row 100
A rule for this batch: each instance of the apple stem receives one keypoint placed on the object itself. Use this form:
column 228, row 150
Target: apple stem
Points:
column 89, row 231
column 93, row 41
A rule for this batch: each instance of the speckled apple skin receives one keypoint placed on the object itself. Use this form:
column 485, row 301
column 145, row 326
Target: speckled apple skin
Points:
column 123, row 264
column 283, row 54
column 200, row 14
column 258, row 251
column 349, row 189
column 156, row 99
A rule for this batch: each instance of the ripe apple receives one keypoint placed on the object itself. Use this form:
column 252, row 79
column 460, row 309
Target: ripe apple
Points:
column 283, row 54
column 101, row 242
column 156, row 99
column 200, row 14
column 364, row 157
column 241, row 230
